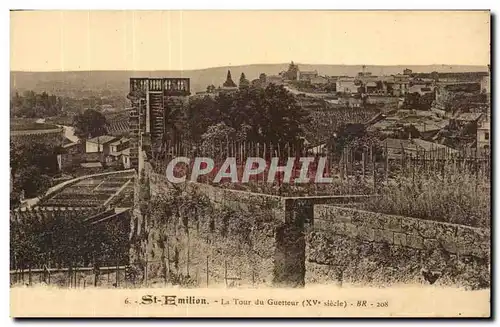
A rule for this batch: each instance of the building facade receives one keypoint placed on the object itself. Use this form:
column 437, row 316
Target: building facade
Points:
column 307, row 75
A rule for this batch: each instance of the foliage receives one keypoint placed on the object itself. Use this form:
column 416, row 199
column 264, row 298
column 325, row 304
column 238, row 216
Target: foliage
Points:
column 244, row 82
column 211, row 88
column 34, row 105
column 419, row 102
column 174, row 115
column 459, row 198
column 217, row 137
column 464, row 102
column 292, row 72
column 90, row 124
column 31, row 166
column 229, row 81
column 32, row 181
column 65, row 240
column 272, row 113
column 353, row 136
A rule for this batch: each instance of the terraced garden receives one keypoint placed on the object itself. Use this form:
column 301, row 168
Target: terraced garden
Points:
column 90, row 192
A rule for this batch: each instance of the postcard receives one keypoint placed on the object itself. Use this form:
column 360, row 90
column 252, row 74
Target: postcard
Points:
column 250, row 164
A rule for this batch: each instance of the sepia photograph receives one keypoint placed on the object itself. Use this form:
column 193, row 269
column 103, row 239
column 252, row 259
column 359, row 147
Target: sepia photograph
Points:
column 255, row 163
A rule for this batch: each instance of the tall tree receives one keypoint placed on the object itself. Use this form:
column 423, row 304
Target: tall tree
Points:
column 244, row 83
column 267, row 115
column 229, row 81
column 90, row 124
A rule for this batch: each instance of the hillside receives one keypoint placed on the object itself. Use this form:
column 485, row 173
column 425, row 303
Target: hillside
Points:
column 81, row 83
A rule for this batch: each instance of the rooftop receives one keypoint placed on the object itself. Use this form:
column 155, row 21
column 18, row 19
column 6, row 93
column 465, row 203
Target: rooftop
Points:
column 102, row 139
column 468, row 116
column 69, row 145
column 120, row 141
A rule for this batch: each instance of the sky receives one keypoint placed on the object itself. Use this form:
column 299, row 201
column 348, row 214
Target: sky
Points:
column 183, row 40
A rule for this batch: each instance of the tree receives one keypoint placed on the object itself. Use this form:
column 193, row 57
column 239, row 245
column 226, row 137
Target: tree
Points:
column 199, row 115
column 280, row 117
column 464, row 102
column 354, row 136
column 272, row 114
column 435, row 76
column 31, row 166
column 292, row 72
column 229, row 81
column 411, row 100
column 90, row 124
column 426, row 101
column 244, row 83
column 33, row 105
column 211, row 88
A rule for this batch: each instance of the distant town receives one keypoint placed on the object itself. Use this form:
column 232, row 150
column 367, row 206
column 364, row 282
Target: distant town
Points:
column 442, row 110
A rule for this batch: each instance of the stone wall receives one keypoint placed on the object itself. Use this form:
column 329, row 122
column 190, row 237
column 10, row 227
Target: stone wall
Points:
column 198, row 233
column 360, row 246
column 210, row 236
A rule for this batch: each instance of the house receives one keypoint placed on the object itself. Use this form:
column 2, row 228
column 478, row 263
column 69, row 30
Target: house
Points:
column 307, row 75
column 125, row 157
column 319, row 80
column 99, row 144
column 468, row 117
column 70, row 155
column 119, row 152
column 274, row 79
column 347, row 85
column 401, row 85
column 421, row 89
column 397, row 148
column 351, row 102
column 372, row 88
column 119, row 145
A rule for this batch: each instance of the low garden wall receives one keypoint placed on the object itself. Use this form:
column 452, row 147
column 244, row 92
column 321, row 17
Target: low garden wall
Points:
column 352, row 245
